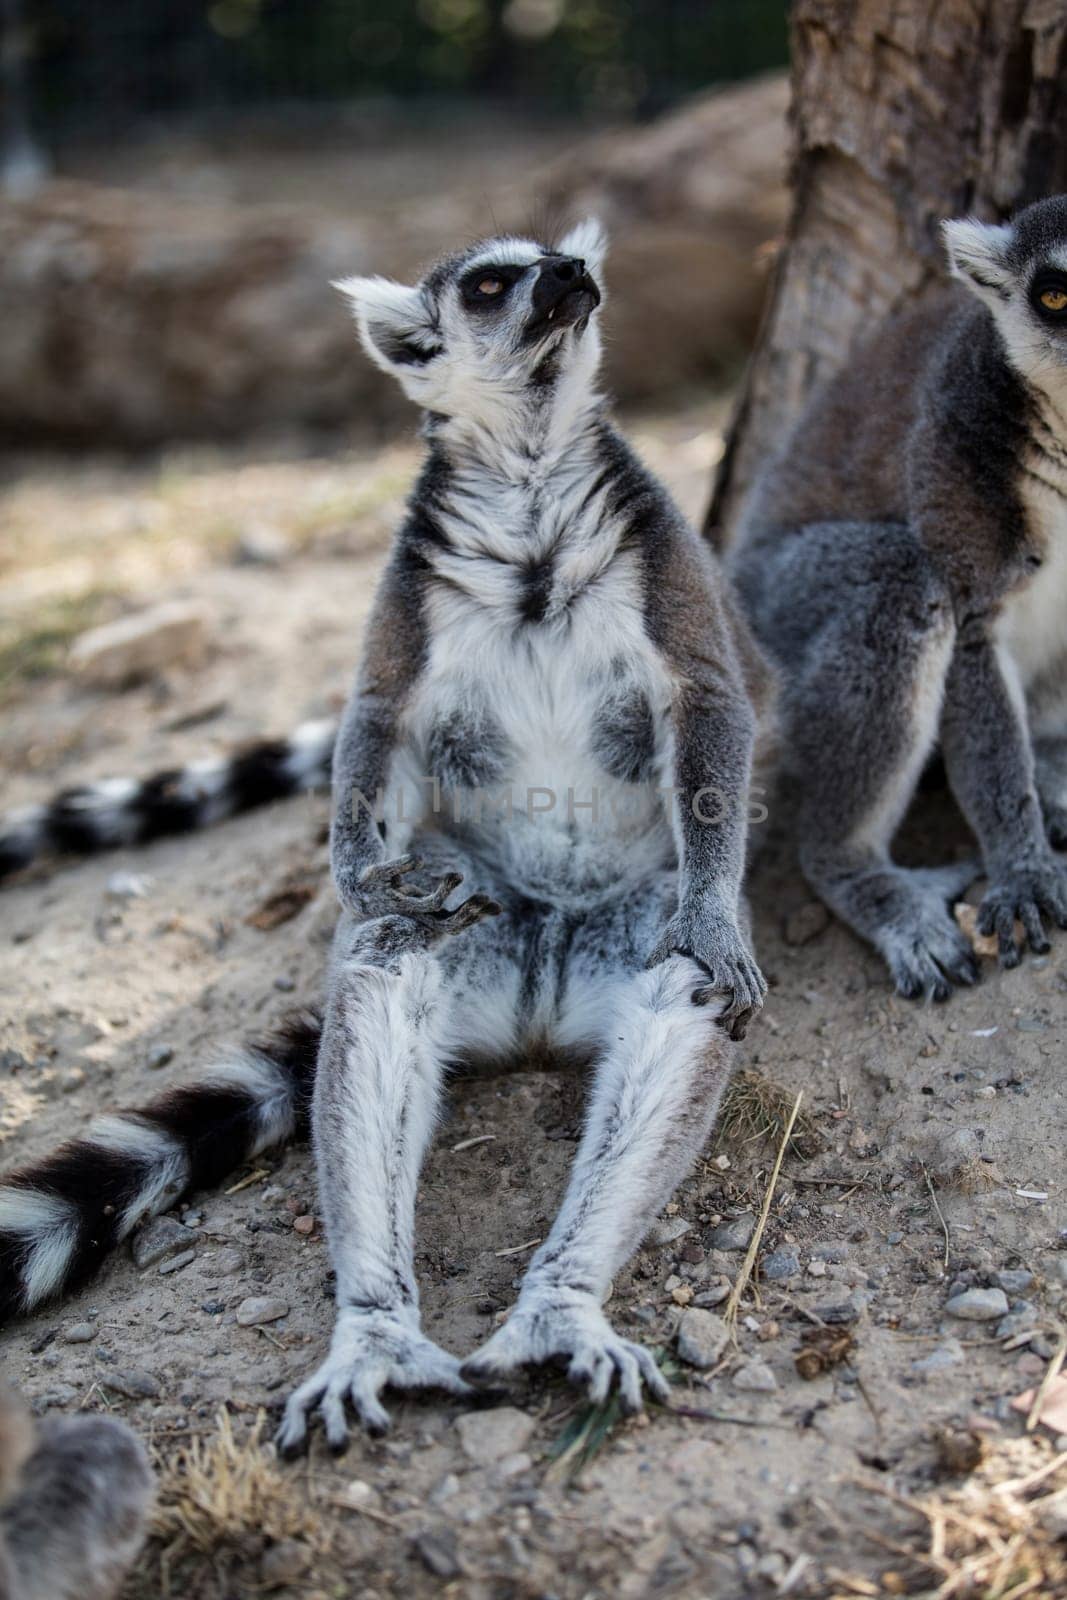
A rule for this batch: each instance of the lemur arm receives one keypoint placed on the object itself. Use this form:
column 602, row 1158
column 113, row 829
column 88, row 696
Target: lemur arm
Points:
column 370, row 728
column 713, row 731
column 990, row 764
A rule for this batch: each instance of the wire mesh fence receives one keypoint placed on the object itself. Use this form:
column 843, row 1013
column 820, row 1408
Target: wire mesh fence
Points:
column 100, row 64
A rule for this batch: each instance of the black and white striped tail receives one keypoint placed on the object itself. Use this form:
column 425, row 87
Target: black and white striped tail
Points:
column 60, row 1217
column 127, row 811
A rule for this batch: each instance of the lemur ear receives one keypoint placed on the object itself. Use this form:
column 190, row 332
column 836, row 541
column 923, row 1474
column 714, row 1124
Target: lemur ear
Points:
column 396, row 323
column 588, row 240
column 977, row 254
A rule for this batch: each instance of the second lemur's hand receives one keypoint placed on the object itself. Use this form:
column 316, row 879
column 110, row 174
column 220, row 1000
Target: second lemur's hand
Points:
column 381, row 890
column 709, row 934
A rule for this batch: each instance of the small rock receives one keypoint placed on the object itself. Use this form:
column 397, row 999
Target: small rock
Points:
column 160, row 1056
column 79, row 1333
column 683, row 1294
column 702, row 1337
column 176, row 1263
column 129, row 886
column 779, row 1265
column 136, row 647
column 360, row 1495
column 284, row 1563
column 514, row 1466
column 665, row 1230
column 488, row 1436
column 755, row 1375
column 831, row 1250
column 133, row 1383
column 227, row 1262
column 1055, row 1268
column 734, row 1234
column 1020, row 1319
column 304, row 1224
column 805, row 923
column 817, row 1269
column 947, row 1354
column 437, row 1552
column 260, row 1308
column 161, row 1237
column 262, row 545
column 1015, row 1280
column 838, row 1313
column 978, row 1305
column 713, row 1295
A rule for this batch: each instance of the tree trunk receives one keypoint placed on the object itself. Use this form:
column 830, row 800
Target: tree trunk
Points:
column 904, row 112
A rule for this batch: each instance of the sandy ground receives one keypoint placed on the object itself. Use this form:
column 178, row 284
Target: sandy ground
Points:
column 105, row 999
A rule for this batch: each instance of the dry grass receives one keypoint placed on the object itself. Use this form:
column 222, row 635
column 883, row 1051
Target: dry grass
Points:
column 755, row 1108
column 972, row 1176
column 218, row 1491
column 997, row 1536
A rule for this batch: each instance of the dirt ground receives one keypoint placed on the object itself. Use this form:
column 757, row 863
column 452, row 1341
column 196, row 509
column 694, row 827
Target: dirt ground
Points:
column 933, row 1160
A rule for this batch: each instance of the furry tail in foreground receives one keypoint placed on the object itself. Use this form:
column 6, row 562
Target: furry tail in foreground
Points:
column 127, row 811
column 59, row 1217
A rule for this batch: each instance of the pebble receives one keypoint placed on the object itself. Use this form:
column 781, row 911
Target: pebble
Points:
column 1055, row 1267
column 135, row 647
column 362, row 1496
column 702, row 1337
column 817, row 1269
column 129, row 886
column 79, row 1333
column 133, row 1383
column 488, row 1436
column 1020, row 1319
column 779, row 1265
column 665, row 1230
column 755, row 1375
column 948, row 1354
column 978, row 1305
column 162, row 1237
column 805, row 923
column 1016, row 1280
column 176, row 1263
column 838, row 1313
column 514, row 1466
column 260, row 1308
column 437, row 1552
column 831, row 1250
column 160, row 1056
column 712, row 1296
column 227, row 1262
column 304, row 1224
column 735, row 1234
column 283, row 1564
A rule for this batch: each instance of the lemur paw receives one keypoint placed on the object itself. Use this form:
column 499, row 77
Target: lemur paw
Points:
column 712, row 938
column 370, row 1351
column 382, row 891
column 1027, row 895
column 568, row 1325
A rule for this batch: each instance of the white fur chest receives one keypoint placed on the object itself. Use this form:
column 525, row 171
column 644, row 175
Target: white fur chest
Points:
column 536, row 638
column 1032, row 629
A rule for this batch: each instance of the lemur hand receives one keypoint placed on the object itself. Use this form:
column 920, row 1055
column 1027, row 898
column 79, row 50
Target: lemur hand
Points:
column 1025, row 894
column 379, row 891
column 710, row 936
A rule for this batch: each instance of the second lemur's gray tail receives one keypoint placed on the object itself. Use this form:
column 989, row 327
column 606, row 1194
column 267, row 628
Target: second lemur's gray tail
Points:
column 59, row 1217
column 126, row 811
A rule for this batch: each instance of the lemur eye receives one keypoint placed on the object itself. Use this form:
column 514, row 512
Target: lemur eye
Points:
column 491, row 286
column 1054, row 299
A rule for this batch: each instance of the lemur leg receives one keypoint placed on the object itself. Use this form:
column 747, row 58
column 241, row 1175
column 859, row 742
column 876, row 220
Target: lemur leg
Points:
column 1050, row 771
column 664, row 1062
column 862, row 687
column 396, row 1013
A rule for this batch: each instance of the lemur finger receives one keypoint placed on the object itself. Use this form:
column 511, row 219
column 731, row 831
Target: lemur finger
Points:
column 629, row 1379
column 468, row 912
column 333, row 1416
column 1035, row 930
column 655, row 1382
column 1004, row 925
column 739, row 1025
column 603, row 1372
column 364, row 1391
column 387, row 872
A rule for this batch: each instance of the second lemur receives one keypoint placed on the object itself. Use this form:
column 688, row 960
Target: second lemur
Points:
column 905, row 566
column 555, row 710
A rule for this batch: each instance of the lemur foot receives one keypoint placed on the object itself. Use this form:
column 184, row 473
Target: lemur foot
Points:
column 1027, row 895
column 928, row 955
column 380, row 892
column 370, row 1351
column 553, row 1324
column 712, row 938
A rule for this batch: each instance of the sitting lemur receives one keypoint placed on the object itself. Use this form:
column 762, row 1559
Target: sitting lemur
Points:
column 904, row 566
column 556, row 708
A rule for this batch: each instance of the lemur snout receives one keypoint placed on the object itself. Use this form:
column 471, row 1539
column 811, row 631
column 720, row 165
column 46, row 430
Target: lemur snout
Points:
column 564, row 292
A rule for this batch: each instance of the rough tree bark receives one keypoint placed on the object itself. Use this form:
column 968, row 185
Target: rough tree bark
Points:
column 904, row 112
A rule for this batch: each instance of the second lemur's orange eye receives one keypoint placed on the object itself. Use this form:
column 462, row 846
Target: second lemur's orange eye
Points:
column 491, row 286
column 1054, row 299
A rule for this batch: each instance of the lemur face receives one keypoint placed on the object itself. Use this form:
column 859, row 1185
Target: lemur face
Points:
column 1019, row 270
column 488, row 325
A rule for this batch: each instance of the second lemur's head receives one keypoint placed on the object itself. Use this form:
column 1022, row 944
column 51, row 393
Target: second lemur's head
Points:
column 1019, row 270
column 493, row 331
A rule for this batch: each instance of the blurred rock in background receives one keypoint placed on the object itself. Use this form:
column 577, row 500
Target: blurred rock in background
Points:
column 138, row 315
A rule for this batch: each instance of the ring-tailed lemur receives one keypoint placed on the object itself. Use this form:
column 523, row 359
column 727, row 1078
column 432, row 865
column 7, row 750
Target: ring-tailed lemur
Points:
column 905, row 566
column 552, row 678
column 74, row 1499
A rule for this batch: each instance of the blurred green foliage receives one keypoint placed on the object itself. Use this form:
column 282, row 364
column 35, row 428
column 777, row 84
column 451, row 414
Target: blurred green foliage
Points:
column 110, row 59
